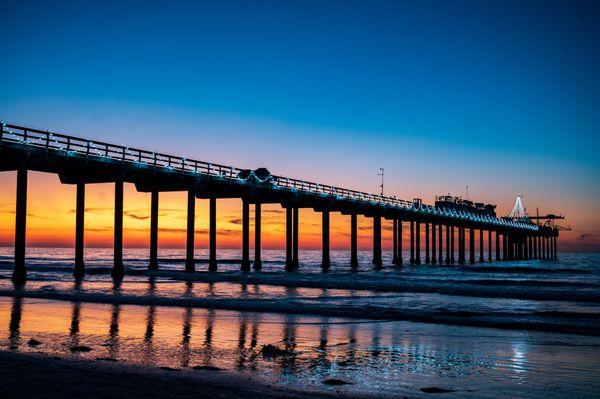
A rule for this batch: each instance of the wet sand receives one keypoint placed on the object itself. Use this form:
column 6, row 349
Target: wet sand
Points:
column 40, row 376
column 48, row 340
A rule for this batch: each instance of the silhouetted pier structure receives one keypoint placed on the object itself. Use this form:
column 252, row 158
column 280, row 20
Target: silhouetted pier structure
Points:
column 81, row 161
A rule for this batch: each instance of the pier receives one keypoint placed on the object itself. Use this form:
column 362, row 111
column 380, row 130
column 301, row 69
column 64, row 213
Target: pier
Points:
column 81, row 161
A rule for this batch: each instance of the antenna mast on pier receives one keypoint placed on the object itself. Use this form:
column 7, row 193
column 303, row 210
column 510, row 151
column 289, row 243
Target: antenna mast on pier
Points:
column 381, row 185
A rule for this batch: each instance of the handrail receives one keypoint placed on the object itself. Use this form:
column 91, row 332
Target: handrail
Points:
column 72, row 145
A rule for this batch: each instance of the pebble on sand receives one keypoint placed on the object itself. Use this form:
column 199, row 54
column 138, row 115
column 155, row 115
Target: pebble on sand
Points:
column 335, row 381
column 80, row 348
column 209, row 368
column 436, row 390
column 273, row 351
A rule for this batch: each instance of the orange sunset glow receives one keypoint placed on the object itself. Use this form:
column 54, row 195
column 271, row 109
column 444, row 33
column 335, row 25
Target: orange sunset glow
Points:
column 51, row 219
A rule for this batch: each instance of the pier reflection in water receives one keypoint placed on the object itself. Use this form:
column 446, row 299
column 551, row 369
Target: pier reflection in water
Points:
column 371, row 355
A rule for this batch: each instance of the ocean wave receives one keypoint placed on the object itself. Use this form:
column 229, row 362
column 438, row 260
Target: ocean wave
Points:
column 526, row 289
column 522, row 269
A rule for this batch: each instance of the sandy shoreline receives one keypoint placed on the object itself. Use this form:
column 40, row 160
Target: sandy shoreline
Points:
column 41, row 376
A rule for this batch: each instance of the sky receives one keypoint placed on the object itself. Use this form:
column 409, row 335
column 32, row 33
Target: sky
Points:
column 502, row 96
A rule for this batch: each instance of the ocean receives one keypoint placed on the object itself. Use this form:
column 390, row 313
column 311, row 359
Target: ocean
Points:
column 520, row 328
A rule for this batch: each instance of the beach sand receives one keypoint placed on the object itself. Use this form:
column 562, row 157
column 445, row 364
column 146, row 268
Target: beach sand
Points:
column 41, row 376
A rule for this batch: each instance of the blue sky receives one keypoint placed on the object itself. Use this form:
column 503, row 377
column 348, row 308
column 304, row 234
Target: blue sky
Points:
column 501, row 95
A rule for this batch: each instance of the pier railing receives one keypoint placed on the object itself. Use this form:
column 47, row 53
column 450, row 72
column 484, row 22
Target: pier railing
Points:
column 81, row 147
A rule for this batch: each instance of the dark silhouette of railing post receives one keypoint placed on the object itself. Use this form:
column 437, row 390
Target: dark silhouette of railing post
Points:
column 289, row 264
column 118, row 268
column 19, row 275
column 190, row 263
column 353, row 241
column 326, row 263
column 471, row 245
column 418, row 242
column 433, row 243
column 395, row 241
column 245, row 236
column 153, row 265
column 257, row 237
column 427, row 258
column 295, row 233
column 377, row 241
column 79, row 230
column 212, row 215
column 412, row 242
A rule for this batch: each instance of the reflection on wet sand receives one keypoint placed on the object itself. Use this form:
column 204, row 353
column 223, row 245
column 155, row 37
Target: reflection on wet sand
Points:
column 368, row 354
column 247, row 342
column 14, row 338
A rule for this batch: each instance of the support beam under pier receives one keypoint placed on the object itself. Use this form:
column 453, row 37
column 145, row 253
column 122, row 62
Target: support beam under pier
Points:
column 377, row 241
column 289, row 264
column 427, row 258
column 212, row 234
column 245, row 266
column 471, row 245
column 190, row 263
column 153, row 231
column 418, row 242
column 481, row 258
column 433, row 244
column 412, row 242
column 489, row 245
column 295, row 232
column 447, row 244
column 440, row 242
column 257, row 237
column 79, row 230
column 400, row 255
column 452, row 247
column 395, row 241
column 497, row 246
column 461, row 245
column 326, row 262
column 353, row 241
column 19, row 276
column 118, row 268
